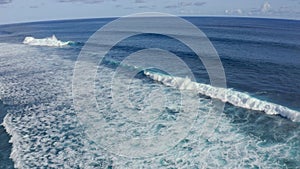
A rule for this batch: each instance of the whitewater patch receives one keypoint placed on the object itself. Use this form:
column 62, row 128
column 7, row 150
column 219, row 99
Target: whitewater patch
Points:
column 49, row 41
column 46, row 132
column 40, row 120
column 231, row 96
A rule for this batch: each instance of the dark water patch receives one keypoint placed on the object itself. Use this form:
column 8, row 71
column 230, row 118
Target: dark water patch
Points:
column 5, row 146
column 255, row 42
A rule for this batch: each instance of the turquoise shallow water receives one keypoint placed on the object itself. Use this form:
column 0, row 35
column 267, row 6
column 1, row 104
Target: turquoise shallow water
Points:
column 260, row 59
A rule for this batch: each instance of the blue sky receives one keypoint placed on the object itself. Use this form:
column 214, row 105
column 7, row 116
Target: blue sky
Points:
column 13, row 11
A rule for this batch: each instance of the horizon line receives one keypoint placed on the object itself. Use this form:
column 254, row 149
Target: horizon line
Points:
column 115, row 17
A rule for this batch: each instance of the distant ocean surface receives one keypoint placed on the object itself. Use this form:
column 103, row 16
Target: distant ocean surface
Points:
column 259, row 128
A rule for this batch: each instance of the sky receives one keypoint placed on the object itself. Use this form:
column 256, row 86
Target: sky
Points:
column 15, row 11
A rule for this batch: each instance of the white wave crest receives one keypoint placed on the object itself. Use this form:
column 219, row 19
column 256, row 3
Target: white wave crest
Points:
column 49, row 41
column 233, row 97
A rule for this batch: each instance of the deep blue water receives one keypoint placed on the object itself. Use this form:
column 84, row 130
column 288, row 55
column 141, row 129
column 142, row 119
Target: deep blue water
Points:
column 260, row 57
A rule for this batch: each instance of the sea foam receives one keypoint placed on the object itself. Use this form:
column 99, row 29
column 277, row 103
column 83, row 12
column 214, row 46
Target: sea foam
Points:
column 236, row 98
column 47, row 133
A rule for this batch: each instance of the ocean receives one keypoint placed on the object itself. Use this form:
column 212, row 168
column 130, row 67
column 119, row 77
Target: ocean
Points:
column 152, row 118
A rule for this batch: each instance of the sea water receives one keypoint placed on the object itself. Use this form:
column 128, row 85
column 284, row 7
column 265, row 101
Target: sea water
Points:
column 259, row 127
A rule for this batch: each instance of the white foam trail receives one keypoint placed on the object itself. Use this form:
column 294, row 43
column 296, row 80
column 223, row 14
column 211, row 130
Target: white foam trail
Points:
column 49, row 41
column 233, row 97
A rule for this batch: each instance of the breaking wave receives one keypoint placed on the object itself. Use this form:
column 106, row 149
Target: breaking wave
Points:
column 227, row 95
column 49, row 41
column 231, row 96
